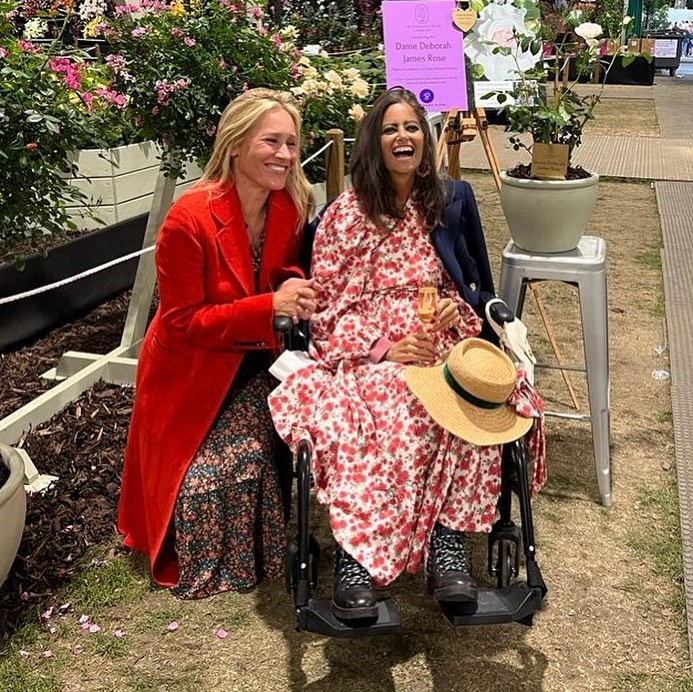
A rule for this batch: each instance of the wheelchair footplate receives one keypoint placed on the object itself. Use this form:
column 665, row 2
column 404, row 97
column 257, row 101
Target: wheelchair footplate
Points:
column 317, row 616
column 515, row 603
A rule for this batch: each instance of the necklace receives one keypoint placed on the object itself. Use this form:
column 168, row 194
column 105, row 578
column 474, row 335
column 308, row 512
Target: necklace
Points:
column 256, row 237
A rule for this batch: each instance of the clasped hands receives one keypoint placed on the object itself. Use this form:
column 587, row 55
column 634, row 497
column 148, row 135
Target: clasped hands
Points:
column 420, row 347
column 296, row 298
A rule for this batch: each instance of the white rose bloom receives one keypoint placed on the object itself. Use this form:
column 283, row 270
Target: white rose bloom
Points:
column 310, row 87
column 351, row 74
column 35, row 28
column 360, row 89
column 495, row 28
column 627, row 20
column 357, row 112
column 588, row 30
column 334, row 79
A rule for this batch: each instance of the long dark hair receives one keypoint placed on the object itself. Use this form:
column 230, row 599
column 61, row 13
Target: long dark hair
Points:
column 370, row 178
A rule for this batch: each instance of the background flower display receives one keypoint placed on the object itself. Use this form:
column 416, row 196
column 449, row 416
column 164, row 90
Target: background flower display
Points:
column 180, row 68
column 49, row 107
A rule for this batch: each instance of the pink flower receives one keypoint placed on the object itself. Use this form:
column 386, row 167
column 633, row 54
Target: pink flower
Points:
column 155, row 111
column 182, row 83
column 257, row 13
column 28, row 47
column 189, row 41
column 221, row 633
column 32, row 145
column 4, row 52
column 222, row 64
column 276, row 39
column 210, row 130
column 176, row 32
column 139, row 32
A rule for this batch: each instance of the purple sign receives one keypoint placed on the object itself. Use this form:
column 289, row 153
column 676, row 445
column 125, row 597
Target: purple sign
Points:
column 424, row 52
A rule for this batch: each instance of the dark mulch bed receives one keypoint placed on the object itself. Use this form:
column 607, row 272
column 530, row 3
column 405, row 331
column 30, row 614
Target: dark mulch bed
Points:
column 83, row 446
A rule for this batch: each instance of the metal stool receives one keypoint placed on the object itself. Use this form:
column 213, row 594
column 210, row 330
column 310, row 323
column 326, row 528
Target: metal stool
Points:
column 584, row 267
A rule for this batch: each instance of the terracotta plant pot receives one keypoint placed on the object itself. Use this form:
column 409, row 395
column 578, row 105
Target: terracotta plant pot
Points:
column 547, row 216
column 12, row 509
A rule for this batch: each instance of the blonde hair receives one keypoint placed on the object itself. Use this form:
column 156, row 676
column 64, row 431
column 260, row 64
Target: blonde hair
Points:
column 236, row 122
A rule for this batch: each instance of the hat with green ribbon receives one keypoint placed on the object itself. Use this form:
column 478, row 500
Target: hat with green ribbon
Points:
column 468, row 394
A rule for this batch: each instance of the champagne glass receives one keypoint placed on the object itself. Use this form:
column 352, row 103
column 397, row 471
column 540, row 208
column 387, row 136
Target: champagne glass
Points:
column 426, row 305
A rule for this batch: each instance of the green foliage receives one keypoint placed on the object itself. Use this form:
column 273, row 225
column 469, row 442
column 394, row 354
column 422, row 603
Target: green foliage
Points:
column 338, row 25
column 180, row 68
column 333, row 93
column 49, row 106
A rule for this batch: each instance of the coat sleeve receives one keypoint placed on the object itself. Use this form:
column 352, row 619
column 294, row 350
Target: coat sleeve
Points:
column 476, row 242
column 181, row 262
column 341, row 328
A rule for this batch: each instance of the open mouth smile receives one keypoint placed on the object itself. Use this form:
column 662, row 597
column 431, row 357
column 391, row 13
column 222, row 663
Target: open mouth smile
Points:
column 403, row 152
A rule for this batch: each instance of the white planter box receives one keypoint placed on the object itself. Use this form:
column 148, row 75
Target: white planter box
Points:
column 119, row 183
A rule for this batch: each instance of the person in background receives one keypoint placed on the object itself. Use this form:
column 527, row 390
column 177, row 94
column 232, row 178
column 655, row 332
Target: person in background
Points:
column 200, row 492
column 401, row 490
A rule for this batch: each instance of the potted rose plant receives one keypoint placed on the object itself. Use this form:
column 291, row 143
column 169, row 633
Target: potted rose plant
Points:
column 548, row 204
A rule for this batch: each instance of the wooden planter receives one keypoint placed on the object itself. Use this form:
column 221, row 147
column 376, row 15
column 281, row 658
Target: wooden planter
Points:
column 24, row 319
column 12, row 510
column 119, row 183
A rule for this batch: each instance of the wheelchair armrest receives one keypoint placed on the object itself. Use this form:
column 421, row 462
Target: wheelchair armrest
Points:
column 284, row 324
column 497, row 311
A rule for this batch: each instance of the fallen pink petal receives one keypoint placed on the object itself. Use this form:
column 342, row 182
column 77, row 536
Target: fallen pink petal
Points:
column 24, row 654
column 47, row 654
column 83, row 619
column 119, row 633
column 94, row 628
column 222, row 633
column 173, row 626
column 47, row 614
column 85, row 625
column 78, row 649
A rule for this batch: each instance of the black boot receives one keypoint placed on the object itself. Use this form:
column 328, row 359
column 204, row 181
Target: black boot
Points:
column 353, row 598
column 449, row 567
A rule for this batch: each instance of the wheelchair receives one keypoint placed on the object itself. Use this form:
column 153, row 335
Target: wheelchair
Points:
column 514, row 598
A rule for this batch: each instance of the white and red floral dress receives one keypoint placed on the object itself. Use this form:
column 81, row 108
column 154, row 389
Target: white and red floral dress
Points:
column 386, row 471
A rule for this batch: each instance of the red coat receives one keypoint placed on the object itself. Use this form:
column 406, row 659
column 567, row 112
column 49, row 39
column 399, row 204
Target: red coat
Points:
column 209, row 315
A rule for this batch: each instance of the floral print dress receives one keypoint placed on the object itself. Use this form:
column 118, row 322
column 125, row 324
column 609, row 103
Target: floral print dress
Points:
column 386, row 471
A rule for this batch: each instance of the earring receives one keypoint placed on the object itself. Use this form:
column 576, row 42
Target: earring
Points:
column 424, row 170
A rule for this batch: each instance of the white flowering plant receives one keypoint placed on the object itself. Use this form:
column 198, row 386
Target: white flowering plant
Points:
column 544, row 101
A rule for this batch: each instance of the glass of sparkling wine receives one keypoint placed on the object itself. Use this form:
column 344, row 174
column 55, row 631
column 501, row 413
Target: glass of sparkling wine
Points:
column 427, row 300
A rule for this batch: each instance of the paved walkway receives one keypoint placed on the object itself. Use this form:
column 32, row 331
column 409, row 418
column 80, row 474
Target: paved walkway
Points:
column 668, row 161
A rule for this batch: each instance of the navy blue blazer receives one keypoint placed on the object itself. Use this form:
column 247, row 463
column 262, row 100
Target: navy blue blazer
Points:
column 460, row 244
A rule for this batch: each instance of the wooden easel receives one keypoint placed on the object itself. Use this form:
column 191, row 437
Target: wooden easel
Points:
column 463, row 126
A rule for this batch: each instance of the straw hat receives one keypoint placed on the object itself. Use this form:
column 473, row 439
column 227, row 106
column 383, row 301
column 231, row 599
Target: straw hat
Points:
column 468, row 394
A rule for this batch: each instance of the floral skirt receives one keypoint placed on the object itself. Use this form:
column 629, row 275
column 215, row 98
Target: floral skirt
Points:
column 229, row 519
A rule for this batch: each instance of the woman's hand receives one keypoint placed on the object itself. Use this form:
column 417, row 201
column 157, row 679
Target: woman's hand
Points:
column 447, row 314
column 296, row 298
column 418, row 348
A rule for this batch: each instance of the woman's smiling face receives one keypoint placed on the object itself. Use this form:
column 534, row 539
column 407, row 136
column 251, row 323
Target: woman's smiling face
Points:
column 401, row 140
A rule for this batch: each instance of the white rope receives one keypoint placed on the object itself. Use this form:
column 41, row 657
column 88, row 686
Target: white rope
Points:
column 317, row 153
column 112, row 263
column 75, row 277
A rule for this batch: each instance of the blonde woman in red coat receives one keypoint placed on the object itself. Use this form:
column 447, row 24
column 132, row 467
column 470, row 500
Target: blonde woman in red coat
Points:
column 200, row 494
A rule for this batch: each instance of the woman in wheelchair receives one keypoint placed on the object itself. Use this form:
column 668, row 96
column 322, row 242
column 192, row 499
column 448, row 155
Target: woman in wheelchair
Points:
column 405, row 478
column 200, row 494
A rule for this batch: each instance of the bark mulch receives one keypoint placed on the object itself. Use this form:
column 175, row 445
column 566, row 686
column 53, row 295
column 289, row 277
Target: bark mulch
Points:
column 83, row 445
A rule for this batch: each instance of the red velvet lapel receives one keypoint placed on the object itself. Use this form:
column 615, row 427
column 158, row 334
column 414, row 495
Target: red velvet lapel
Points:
column 232, row 239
